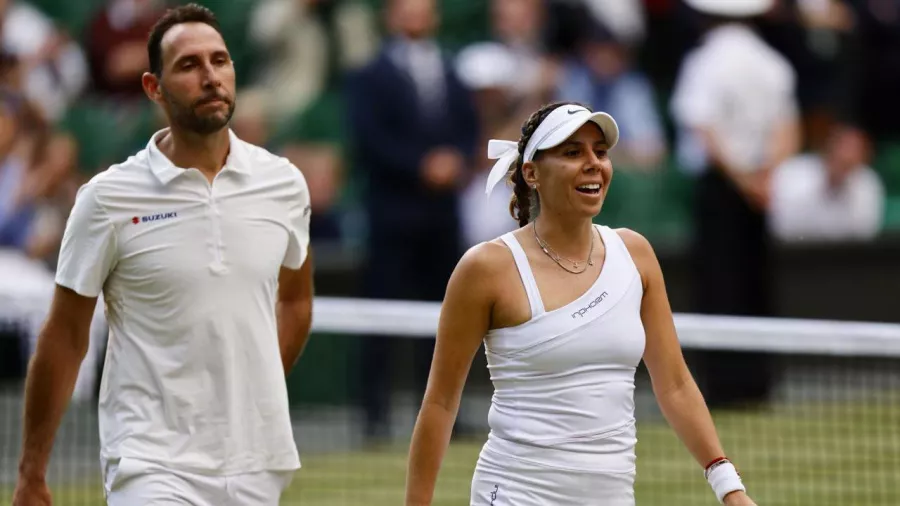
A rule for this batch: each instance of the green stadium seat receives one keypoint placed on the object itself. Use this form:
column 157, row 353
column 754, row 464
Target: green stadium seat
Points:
column 463, row 23
column 73, row 16
column 887, row 164
column 655, row 204
column 892, row 213
column 106, row 133
column 321, row 121
column 233, row 16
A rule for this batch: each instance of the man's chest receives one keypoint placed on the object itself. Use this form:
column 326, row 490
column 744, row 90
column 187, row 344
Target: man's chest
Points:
column 184, row 240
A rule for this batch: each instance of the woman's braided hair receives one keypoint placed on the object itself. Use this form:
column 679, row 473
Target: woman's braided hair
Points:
column 520, row 205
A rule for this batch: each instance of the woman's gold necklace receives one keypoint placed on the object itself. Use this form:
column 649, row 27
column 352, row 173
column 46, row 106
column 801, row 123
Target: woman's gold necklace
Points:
column 556, row 257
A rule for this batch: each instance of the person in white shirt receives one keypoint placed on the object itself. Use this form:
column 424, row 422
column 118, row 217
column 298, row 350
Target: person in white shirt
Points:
column 489, row 70
column 200, row 246
column 828, row 196
column 566, row 310
column 736, row 112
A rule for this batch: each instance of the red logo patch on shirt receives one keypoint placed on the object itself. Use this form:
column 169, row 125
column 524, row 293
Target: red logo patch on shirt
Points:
column 154, row 217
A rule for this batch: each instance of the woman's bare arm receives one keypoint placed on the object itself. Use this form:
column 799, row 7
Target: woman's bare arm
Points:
column 465, row 319
column 676, row 391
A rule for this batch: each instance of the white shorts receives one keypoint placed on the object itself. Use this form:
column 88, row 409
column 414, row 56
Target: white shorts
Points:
column 131, row 482
column 502, row 480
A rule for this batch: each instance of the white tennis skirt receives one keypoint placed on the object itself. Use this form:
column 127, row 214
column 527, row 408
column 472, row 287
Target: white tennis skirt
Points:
column 501, row 479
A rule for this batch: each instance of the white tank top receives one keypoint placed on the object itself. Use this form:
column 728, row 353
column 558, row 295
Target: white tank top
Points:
column 564, row 380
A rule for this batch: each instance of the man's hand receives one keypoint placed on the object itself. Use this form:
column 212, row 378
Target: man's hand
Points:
column 755, row 188
column 738, row 498
column 31, row 493
column 442, row 168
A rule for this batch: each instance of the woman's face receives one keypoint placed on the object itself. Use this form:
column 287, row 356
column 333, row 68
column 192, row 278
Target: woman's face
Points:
column 573, row 178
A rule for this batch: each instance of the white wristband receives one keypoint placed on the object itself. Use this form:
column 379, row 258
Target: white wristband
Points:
column 724, row 479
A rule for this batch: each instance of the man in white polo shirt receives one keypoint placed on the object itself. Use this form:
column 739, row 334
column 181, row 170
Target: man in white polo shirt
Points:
column 199, row 244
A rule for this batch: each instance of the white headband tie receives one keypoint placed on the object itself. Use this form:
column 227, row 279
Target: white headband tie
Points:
column 506, row 153
column 558, row 126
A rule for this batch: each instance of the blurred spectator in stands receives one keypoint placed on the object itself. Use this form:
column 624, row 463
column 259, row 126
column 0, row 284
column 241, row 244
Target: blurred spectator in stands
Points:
column 14, row 212
column 322, row 166
column 736, row 109
column 46, row 200
column 509, row 77
column 875, row 66
column 35, row 163
column 516, row 24
column 305, row 46
column 814, row 36
column 601, row 73
column 490, row 70
column 319, row 160
column 829, row 196
column 626, row 20
column 249, row 122
column 669, row 35
column 116, row 41
column 414, row 131
column 54, row 67
column 15, row 155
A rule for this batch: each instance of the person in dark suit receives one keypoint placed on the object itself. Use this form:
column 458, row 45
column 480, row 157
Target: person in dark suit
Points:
column 413, row 132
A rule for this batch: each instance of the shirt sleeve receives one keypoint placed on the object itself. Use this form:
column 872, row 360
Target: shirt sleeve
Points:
column 694, row 102
column 298, row 222
column 788, row 107
column 88, row 251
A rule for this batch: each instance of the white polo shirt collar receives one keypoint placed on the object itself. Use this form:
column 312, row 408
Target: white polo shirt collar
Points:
column 166, row 171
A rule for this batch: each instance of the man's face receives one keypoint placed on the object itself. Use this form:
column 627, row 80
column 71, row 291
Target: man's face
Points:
column 196, row 87
column 414, row 19
column 847, row 151
column 515, row 20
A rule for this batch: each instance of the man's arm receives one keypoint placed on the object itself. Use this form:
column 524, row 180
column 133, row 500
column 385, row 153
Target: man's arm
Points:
column 294, row 310
column 752, row 184
column 61, row 347
column 785, row 142
column 87, row 256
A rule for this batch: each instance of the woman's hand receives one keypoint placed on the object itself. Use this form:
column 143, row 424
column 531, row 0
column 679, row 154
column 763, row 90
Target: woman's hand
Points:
column 738, row 498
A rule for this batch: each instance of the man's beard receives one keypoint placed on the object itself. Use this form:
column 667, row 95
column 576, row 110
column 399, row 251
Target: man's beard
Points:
column 185, row 116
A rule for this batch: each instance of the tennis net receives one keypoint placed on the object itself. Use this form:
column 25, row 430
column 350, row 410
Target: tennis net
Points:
column 828, row 433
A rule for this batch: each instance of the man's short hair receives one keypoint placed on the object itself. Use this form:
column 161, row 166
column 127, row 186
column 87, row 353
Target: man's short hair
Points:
column 190, row 13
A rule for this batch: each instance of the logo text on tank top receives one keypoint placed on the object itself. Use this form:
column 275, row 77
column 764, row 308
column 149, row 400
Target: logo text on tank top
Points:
column 594, row 303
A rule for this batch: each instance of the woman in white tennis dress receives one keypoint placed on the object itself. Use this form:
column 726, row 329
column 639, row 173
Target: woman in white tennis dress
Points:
column 566, row 310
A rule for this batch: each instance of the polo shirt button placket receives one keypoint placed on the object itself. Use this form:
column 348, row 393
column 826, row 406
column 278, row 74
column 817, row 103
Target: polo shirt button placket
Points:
column 218, row 264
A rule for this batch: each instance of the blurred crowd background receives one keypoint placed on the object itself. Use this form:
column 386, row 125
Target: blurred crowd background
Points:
column 387, row 107
column 310, row 72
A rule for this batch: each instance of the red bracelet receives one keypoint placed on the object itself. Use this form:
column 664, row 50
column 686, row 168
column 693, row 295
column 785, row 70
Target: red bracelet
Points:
column 714, row 462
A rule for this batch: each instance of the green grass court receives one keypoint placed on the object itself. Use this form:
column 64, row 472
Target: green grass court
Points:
column 825, row 454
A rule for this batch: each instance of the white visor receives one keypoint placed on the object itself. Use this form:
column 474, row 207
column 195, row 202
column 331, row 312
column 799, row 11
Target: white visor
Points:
column 732, row 8
column 558, row 126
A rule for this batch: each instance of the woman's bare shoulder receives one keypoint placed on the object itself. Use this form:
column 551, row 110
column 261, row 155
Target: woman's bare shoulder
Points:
column 477, row 280
column 641, row 252
column 637, row 244
column 486, row 259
